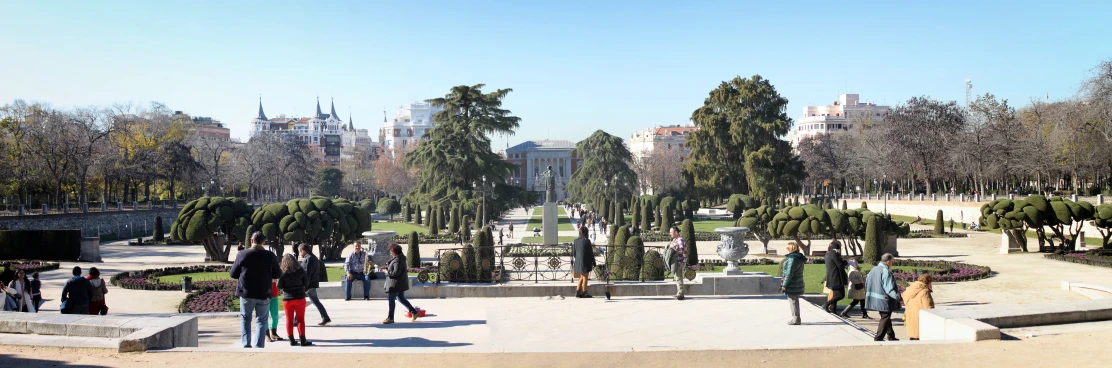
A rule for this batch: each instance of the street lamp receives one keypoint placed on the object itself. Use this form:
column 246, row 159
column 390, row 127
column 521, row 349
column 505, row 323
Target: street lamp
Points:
column 885, row 195
column 484, row 190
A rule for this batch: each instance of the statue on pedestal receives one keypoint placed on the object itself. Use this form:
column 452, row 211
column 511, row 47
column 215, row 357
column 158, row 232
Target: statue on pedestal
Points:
column 549, row 185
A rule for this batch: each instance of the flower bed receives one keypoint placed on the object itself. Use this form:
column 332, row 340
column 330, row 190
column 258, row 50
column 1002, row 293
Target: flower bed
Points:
column 148, row 279
column 943, row 271
column 30, row 267
column 211, row 301
column 1097, row 257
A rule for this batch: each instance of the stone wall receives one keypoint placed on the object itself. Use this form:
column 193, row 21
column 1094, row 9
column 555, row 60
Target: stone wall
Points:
column 94, row 224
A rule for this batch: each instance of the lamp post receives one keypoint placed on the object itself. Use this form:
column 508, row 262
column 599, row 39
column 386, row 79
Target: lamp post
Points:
column 886, row 195
column 484, row 190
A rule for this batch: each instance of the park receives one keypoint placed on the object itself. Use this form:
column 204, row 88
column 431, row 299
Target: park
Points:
column 661, row 185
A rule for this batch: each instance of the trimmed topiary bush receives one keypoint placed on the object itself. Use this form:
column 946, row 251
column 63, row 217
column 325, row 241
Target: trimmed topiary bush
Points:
column 418, row 218
column 872, row 245
column 413, row 254
column 687, row 231
column 635, row 209
column 453, row 221
column 646, row 217
column 331, row 224
column 451, row 267
column 939, row 226
column 203, row 220
column 652, row 266
column 158, row 233
column 630, row 265
column 484, row 265
column 666, row 214
column 434, row 226
column 614, row 252
column 864, row 205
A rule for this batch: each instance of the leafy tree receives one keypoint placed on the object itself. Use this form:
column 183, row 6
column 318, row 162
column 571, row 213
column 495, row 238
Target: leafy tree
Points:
column 757, row 220
column 212, row 222
column 413, row 254
column 687, row 231
column 606, row 170
column 925, row 132
column 329, row 182
column 1102, row 220
column 389, row 206
column 739, row 203
column 739, row 119
column 331, row 224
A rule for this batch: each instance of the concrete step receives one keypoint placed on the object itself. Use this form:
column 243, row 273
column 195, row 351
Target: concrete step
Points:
column 1036, row 331
column 59, row 341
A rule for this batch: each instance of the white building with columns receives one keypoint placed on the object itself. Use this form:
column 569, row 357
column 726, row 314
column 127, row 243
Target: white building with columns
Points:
column 533, row 158
column 410, row 123
column 847, row 113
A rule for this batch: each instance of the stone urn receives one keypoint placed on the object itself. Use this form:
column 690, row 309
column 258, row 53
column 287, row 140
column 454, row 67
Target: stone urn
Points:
column 377, row 241
column 732, row 248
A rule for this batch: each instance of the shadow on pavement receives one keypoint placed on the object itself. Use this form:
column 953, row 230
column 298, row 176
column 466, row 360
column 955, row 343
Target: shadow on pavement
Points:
column 406, row 342
column 9, row 361
column 405, row 324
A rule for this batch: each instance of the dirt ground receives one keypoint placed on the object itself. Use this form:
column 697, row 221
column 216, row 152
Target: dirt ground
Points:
column 1070, row 350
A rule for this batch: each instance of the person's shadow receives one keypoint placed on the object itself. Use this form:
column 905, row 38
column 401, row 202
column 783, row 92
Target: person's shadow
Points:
column 405, row 342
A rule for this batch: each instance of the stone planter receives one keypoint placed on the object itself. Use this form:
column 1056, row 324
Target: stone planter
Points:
column 377, row 241
column 732, row 248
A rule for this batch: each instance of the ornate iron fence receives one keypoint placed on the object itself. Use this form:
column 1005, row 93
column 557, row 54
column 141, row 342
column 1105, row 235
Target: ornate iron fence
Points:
column 526, row 262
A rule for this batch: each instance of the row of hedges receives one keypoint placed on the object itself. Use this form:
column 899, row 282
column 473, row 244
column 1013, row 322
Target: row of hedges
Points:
column 148, row 279
column 29, row 267
column 1098, row 257
column 49, row 245
column 427, row 238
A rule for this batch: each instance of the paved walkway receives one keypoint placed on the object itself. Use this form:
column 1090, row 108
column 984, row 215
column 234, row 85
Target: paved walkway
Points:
column 568, row 325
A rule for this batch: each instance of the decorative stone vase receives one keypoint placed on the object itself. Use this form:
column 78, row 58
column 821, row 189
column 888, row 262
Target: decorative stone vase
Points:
column 377, row 241
column 732, row 248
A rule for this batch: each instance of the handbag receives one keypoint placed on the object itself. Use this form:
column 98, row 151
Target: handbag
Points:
column 858, row 286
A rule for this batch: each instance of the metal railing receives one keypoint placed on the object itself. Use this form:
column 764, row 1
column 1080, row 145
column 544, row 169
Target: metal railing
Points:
column 526, row 262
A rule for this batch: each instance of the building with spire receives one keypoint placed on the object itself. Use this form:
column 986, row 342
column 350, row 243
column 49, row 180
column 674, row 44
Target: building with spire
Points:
column 357, row 144
column 321, row 132
column 410, row 124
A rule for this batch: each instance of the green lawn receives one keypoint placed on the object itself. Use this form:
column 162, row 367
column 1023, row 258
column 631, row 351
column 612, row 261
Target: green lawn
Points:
column 563, row 223
column 708, row 226
column 538, row 239
column 403, row 228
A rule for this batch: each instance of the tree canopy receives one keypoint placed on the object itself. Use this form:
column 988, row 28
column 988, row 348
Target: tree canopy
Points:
column 606, row 170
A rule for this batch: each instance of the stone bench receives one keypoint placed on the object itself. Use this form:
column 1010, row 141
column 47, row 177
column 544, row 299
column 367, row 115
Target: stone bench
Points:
column 975, row 323
column 132, row 333
column 750, row 283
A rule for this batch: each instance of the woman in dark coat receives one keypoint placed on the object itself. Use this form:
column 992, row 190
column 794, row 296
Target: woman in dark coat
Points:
column 835, row 276
column 583, row 262
column 397, row 282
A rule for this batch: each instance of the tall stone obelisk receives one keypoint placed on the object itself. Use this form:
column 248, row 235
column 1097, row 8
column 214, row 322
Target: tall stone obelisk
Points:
column 550, row 219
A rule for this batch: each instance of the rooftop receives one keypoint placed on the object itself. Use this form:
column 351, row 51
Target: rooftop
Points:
column 546, row 144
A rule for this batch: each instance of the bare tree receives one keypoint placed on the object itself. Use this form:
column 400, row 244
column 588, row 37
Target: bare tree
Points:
column 392, row 176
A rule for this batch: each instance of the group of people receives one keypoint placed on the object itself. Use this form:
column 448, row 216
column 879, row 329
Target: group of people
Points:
column 18, row 292
column 262, row 279
column 876, row 292
column 583, row 261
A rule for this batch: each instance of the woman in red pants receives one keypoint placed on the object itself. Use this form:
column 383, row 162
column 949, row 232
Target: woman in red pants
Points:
column 294, row 284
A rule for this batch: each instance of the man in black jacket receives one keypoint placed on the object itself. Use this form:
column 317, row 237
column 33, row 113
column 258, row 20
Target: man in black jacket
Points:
column 255, row 268
column 835, row 276
column 76, row 294
column 312, row 265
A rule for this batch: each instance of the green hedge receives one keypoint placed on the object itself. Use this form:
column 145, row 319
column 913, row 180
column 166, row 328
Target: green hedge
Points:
column 52, row 245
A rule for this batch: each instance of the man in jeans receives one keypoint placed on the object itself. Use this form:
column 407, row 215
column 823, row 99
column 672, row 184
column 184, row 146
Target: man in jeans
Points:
column 354, row 268
column 679, row 262
column 311, row 264
column 255, row 268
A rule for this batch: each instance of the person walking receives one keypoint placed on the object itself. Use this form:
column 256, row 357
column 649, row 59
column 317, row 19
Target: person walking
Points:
column 511, row 229
column 397, row 282
column 951, row 224
column 272, row 332
column 255, row 269
column 36, row 291
column 675, row 258
column 97, row 304
column 881, row 296
column 856, row 291
column 500, row 236
column 835, row 276
column 294, row 285
column 354, row 268
column 22, row 292
column 583, row 262
column 791, row 284
column 917, row 297
column 76, row 294
column 312, row 266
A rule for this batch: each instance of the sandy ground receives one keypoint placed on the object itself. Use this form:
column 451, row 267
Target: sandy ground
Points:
column 1072, row 350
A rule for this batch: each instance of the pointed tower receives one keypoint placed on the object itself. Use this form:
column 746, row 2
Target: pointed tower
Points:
column 334, row 116
column 351, row 126
column 261, row 116
column 319, row 114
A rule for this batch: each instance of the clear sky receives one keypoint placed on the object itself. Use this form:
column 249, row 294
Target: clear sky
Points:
column 575, row 66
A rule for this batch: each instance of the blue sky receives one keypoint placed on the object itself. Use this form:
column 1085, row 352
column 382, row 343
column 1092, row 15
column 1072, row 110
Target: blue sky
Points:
column 575, row 66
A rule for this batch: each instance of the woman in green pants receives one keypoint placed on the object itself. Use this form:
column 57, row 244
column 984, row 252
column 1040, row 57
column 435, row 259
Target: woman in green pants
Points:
column 272, row 333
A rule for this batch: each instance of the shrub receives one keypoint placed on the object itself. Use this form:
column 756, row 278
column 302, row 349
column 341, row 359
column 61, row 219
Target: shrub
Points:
column 468, row 255
column 158, row 233
column 652, row 266
column 687, row 231
column 413, row 254
column 635, row 209
column 666, row 214
column 691, row 206
column 485, row 260
column 872, row 245
column 451, row 267
column 51, row 245
column 844, row 206
column 630, row 264
column 434, row 225
column 202, row 219
column 417, row 215
column 939, row 226
column 613, row 253
column 864, row 205
column 389, row 206
column 453, row 220
column 646, row 217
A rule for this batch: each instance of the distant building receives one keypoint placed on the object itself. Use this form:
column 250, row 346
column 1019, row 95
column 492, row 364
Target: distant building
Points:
column 660, row 137
column 410, row 124
column 533, row 158
column 846, row 114
column 322, row 132
column 207, row 128
column 357, row 144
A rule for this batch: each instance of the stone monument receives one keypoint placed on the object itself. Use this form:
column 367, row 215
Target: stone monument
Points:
column 732, row 248
column 376, row 244
column 550, row 221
